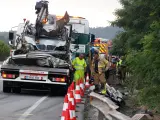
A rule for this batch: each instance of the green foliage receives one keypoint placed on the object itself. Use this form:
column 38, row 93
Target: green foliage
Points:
column 140, row 43
column 4, row 50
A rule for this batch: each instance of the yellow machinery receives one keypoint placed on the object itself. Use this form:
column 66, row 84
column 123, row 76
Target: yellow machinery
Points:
column 103, row 46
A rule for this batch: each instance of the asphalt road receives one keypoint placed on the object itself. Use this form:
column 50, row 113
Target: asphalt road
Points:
column 30, row 105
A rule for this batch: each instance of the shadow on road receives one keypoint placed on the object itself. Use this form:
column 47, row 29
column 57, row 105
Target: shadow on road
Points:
column 32, row 92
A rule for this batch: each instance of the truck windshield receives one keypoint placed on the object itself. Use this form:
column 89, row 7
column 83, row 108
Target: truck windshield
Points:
column 31, row 62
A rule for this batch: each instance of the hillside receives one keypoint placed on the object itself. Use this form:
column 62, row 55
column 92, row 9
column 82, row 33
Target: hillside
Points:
column 104, row 32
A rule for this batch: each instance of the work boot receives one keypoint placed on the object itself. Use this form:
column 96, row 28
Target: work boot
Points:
column 96, row 90
column 103, row 89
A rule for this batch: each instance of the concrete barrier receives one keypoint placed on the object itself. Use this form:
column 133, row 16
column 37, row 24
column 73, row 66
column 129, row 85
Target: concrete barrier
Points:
column 107, row 108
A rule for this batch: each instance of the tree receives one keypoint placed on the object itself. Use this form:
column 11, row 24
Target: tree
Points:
column 140, row 44
column 4, row 50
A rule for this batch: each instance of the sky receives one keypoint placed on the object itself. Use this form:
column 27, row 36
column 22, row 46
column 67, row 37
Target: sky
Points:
column 98, row 12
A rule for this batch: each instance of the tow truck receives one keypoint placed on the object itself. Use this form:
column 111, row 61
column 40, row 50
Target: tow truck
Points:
column 30, row 66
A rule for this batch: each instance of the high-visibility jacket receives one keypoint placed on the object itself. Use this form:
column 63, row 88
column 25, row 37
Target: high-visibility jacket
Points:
column 119, row 63
column 79, row 64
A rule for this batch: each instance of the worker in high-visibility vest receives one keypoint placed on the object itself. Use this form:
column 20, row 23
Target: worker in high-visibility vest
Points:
column 98, row 72
column 121, row 70
column 119, row 62
column 79, row 65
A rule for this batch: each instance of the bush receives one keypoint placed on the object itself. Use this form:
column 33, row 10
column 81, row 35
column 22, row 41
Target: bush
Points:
column 4, row 50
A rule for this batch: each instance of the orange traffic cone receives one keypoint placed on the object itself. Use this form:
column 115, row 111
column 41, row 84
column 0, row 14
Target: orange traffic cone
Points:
column 71, row 111
column 82, row 84
column 72, row 85
column 72, row 88
column 72, row 99
column 77, row 93
column 87, row 85
column 81, row 88
column 65, row 107
column 67, row 115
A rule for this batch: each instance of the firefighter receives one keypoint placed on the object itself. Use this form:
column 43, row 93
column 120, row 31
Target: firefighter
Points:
column 79, row 65
column 98, row 72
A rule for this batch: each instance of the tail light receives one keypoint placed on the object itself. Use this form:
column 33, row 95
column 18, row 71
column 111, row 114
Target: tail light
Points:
column 63, row 79
column 8, row 76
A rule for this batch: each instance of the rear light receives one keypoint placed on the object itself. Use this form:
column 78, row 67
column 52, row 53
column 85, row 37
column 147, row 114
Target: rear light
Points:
column 59, row 79
column 8, row 76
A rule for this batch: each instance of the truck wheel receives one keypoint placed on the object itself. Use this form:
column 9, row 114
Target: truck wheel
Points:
column 6, row 89
column 54, row 91
column 16, row 90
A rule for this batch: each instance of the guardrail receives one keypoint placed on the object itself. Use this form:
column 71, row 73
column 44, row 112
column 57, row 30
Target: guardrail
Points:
column 108, row 109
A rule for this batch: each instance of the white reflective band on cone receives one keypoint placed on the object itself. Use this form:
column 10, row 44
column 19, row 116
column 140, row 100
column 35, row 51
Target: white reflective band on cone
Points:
column 65, row 106
column 71, row 114
column 77, row 87
column 62, row 118
column 72, row 100
column 87, row 83
column 87, row 77
column 68, row 96
column 78, row 96
column 81, row 85
column 74, row 114
column 73, row 93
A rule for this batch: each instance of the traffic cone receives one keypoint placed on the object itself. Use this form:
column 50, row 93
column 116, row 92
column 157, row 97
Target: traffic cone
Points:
column 65, row 107
column 68, row 93
column 82, row 84
column 87, row 85
column 71, row 111
column 77, row 93
column 81, row 88
column 67, row 115
column 73, row 88
column 72, row 99
column 72, row 85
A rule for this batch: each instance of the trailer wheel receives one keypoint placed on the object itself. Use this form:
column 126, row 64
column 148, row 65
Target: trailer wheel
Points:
column 16, row 90
column 6, row 89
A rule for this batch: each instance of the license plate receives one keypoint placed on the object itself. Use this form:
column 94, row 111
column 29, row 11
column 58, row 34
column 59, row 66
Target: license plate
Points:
column 33, row 77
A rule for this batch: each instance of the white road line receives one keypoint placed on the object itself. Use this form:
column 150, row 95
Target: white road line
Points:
column 28, row 111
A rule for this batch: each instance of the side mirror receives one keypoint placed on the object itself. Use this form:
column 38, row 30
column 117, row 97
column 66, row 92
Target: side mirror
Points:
column 11, row 35
column 92, row 37
column 10, row 43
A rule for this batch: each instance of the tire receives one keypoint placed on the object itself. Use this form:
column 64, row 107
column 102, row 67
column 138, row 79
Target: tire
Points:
column 6, row 89
column 16, row 90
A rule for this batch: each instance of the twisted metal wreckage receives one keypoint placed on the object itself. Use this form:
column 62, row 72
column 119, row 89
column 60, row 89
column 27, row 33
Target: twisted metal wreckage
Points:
column 47, row 29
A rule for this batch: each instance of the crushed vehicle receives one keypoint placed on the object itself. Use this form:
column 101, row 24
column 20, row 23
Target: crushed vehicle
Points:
column 41, row 55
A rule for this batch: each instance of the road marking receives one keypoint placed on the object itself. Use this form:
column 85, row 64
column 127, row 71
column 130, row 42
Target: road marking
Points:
column 28, row 111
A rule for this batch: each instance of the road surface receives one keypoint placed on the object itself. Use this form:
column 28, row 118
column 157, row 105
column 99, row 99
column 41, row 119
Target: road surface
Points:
column 30, row 105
